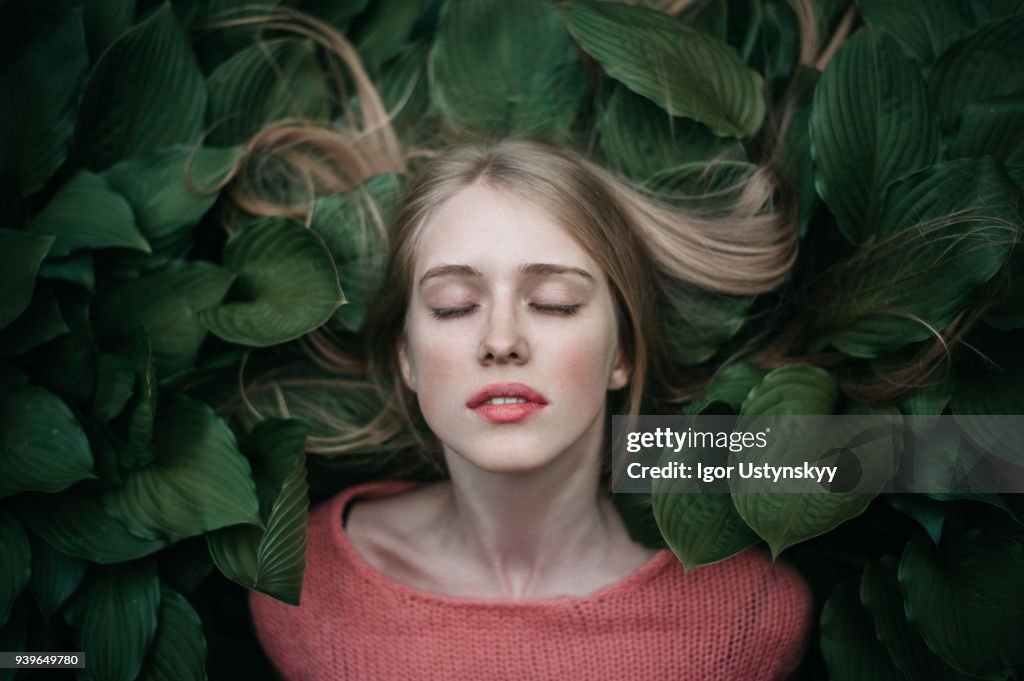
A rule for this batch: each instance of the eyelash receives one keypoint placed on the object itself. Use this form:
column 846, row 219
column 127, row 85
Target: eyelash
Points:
column 450, row 312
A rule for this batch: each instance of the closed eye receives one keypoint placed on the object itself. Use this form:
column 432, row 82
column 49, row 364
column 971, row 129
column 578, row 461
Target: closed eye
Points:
column 449, row 312
column 556, row 309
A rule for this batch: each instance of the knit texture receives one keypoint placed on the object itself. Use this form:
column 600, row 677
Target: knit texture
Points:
column 744, row 618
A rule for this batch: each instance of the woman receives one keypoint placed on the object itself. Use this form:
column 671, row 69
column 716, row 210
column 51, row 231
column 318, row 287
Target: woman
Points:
column 520, row 310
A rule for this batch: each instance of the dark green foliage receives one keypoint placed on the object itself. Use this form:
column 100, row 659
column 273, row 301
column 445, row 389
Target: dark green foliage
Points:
column 131, row 295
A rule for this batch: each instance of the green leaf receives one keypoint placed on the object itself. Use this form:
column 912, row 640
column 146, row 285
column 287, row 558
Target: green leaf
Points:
column 992, row 127
column 144, row 93
column 115, row 384
column 947, row 229
column 680, row 68
column 848, row 643
column 730, row 386
column 870, row 125
column 923, row 30
column 41, row 322
column 178, row 652
column 38, row 95
column 17, row 564
column 20, row 255
column 506, row 67
column 14, row 634
column 77, row 269
column 167, row 304
column 271, row 561
column 267, row 82
column 384, row 30
column 965, row 598
column 700, row 528
column 105, row 21
column 198, row 481
column 985, row 64
column 170, row 190
column 42, row 446
column 345, row 223
column 75, row 523
column 336, row 13
column 55, row 576
column 87, row 213
column 114, row 615
column 697, row 322
column 799, row 389
column 403, row 86
column 880, row 594
column 285, row 285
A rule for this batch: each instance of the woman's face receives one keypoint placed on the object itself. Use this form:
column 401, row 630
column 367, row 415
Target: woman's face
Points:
column 511, row 335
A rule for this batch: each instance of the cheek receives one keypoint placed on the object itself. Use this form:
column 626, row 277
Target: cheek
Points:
column 585, row 365
column 435, row 367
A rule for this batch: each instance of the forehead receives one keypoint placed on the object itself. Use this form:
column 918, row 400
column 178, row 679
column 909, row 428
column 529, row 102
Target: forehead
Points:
column 495, row 230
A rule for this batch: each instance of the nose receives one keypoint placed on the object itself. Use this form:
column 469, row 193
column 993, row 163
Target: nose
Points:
column 502, row 341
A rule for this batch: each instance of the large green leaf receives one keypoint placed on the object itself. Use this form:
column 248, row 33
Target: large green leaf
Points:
column 17, row 564
column 944, row 231
column 271, row 561
column 20, row 255
column 697, row 322
column 848, row 643
column 880, row 594
column 680, row 68
column 506, row 67
column 869, row 126
column 798, row 389
column 285, row 285
column 198, row 481
column 39, row 323
column 924, row 30
column 75, row 523
column 42, row 446
column 992, row 127
column 384, row 30
column 144, row 93
column 178, row 652
column 38, row 95
column 87, row 213
column 167, row 303
column 985, row 64
column 55, row 576
column 105, row 21
column 730, row 386
column 267, row 82
column 345, row 223
column 965, row 597
column 114, row 615
column 700, row 528
column 170, row 190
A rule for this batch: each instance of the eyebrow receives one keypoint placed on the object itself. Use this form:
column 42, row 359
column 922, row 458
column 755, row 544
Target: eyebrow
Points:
column 534, row 268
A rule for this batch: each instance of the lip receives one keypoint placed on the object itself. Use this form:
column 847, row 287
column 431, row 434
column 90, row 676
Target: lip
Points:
column 506, row 413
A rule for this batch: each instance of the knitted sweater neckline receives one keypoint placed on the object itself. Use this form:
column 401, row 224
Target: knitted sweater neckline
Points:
column 662, row 560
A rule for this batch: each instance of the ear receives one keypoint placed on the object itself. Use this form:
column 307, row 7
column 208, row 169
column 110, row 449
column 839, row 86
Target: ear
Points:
column 621, row 372
column 405, row 365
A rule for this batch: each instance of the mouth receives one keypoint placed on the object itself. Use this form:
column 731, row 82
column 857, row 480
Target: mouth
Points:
column 506, row 402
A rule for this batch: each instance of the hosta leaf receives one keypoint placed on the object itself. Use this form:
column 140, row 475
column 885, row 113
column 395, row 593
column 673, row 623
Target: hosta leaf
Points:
column 285, row 285
column 178, row 652
column 730, row 387
column 700, row 528
column 403, row 85
column 75, row 523
column 167, row 304
column 55, row 576
column 198, row 481
column 965, row 598
column 947, row 229
column 170, row 190
column 20, row 255
column 144, row 93
column 271, row 561
column 880, row 594
column 41, row 322
column 923, row 30
column 992, row 127
column 798, row 389
column 506, row 67
column 263, row 83
column 356, row 245
column 42, row 446
column 384, row 29
column 105, row 21
column 869, row 126
column 115, row 384
column 984, row 64
column 680, row 68
column 697, row 322
column 334, row 12
column 87, row 213
column 114, row 615
column 77, row 269
column 38, row 95
column 848, row 643
column 17, row 564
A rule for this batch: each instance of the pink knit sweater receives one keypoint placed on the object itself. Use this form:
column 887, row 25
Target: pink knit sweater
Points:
column 744, row 618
